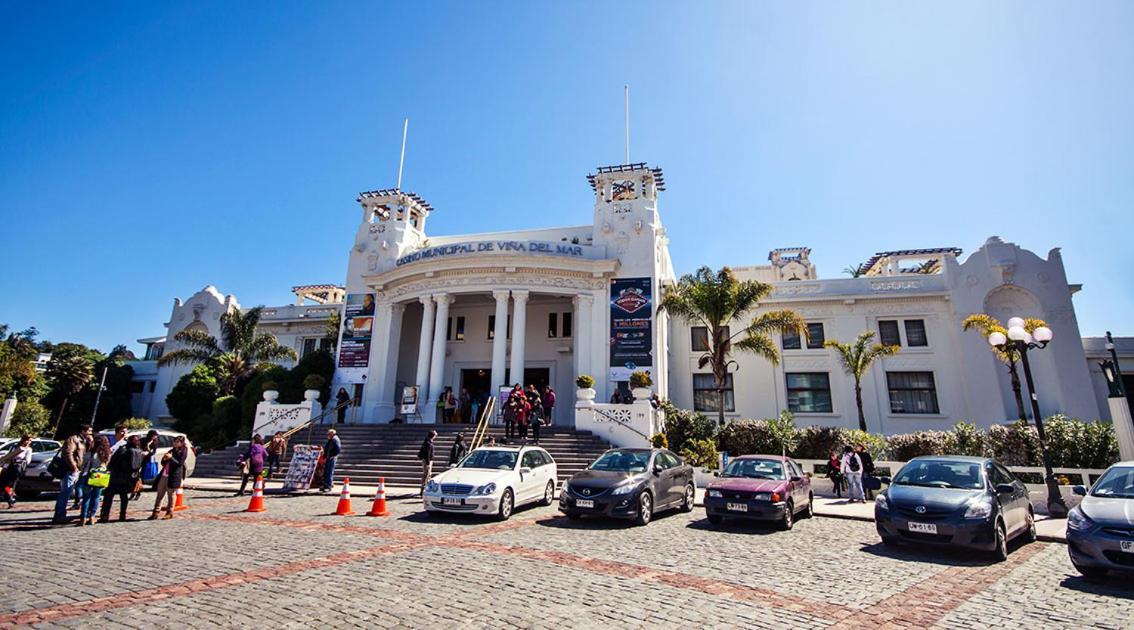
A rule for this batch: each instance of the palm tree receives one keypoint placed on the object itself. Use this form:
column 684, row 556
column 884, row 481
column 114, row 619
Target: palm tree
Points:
column 238, row 353
column 716, row 299
column 928, row 267
column 856, row 271
column 856, row 358
column 69, row 373
column 986, row 325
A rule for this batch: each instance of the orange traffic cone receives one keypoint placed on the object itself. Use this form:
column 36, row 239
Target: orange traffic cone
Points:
column 379, row 507
column 344, row 508
column 257, row 502
column 179, row 504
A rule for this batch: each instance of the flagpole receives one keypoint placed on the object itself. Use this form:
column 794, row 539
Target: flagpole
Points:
column 402, row 159
column 626, row 110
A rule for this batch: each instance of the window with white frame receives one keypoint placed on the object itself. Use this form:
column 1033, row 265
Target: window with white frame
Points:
column 809, row 392
column 705, row 393
column 912, row 392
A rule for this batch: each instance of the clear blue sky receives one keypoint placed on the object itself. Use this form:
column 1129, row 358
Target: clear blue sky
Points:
column 150, row 149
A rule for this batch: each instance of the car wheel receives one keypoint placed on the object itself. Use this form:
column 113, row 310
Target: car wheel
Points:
column 890, row 541
column 1000, row 552
column 507, row 502
column 788, row 519
column 571, row 516
column 809, row 511
column 1091, row 573
column 645, row 509
column 1030, row 534
column 715, row 519
column 548, row 494
column 687, row 501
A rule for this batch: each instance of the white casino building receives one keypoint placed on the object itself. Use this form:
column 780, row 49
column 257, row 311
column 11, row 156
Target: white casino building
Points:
column 476, row 311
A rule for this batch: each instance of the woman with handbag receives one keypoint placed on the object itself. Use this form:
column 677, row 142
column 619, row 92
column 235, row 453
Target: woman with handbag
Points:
column 95, row 478
column 14, row 464
column 125, row 477
column 172, row 476
column 252, row 462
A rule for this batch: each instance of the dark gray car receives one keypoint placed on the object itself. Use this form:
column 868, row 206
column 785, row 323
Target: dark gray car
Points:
column 629, row 483
column 970, row 502
column 1100, row 530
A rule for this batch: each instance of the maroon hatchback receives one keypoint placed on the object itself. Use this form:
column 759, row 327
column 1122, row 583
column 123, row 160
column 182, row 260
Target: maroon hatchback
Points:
column 760, row 487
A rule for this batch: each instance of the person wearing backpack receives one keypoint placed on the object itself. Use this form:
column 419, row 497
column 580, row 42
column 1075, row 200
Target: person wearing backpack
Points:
column 852, row 472
column 125, row 477
column 70, row 462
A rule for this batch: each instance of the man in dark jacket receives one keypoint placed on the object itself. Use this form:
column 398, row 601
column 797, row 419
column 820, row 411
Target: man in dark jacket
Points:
column 457, row 453
column 425, row 454
column 71, row 456
column 331, row 452
column 867, row 469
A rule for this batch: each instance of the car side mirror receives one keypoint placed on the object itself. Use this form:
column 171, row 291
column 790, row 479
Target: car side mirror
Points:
column 525, row 471
column 658, row 469
column 716, row 473
column 1005, row 488
column 797, row 479
column 1080, row 490
column 885, row 480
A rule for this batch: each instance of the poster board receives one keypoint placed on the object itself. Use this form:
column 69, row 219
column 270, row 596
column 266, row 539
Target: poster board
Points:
column 501, row 402
column 631, row 327
column 301, row 468
column 357, row 328
column 409, row 401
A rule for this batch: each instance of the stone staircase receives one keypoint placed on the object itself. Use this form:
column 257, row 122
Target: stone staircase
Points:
column 371, row 451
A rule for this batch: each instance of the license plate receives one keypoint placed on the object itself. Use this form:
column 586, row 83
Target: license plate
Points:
column 924, row 528
column 737, row 507
column 450, row 501
column 584, row 503
column 1126, row 545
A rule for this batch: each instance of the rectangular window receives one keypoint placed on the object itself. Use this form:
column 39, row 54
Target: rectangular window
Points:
column 700, row 336
column 809, row 392
column 325, row 344
column 491, row 327
column 888, row 332
column 915, row 333
column 815, row 336
column 568, row 325
column 449, row 329
column 459, row 334
column 912, row 392
column 308, row 346
column 552, row 325
column 790, row 340
column 705, row 393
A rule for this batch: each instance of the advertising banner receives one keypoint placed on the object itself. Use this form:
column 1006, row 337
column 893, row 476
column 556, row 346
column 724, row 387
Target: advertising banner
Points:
column 631, row 327
column 301, row 468
column 409, row 401
column 358, row 325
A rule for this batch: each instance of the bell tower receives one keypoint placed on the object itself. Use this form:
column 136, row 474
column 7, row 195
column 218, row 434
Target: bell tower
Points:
column 626, row 213
column 392, row 223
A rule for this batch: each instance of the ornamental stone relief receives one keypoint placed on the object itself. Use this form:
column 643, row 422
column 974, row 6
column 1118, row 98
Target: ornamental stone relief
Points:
column 807, row 289
column 901, row 308
column 895, row 285
column 450, row 283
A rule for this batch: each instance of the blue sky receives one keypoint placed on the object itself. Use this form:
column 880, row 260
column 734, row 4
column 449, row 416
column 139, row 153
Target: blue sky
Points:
column 150, row 149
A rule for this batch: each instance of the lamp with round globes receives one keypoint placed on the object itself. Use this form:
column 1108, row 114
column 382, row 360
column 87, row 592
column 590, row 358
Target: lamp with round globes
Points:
column 1017, row 333
column 997, row 339
column 1043, row 334
column 1016, row 322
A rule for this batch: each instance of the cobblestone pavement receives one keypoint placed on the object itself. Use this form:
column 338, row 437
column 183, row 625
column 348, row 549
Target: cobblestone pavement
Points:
column 295, row 565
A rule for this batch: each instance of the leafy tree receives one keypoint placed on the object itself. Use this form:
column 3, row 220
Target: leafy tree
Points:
column 856, row 358
column 716, row 300
column 331, row 330
column 682, row 426
column 17, row 364
column 69, row 371
column 238, row 352
column 193, row 396
column 928, row 267
column 986, row 325
column 856, row 271
column 30, row 418
column 135, row 424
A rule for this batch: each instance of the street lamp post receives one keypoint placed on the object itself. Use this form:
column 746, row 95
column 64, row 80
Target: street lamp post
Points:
column 1022, row 341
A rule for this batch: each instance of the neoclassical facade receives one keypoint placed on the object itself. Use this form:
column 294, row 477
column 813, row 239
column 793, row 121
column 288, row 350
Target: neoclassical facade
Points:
column 481, row 311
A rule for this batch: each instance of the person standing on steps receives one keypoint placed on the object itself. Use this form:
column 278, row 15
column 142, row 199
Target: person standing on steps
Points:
column 341, row 400
column 459, row 450
column 425, row 454
column 548, row 400
column 331, row 450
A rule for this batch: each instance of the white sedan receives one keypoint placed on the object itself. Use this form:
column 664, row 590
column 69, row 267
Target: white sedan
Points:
column 494, row 480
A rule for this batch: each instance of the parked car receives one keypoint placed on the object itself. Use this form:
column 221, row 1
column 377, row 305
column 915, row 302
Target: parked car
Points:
column 629, row 483
column 35, row 478
column 494, row 480
column 38, row 445
column 760, row 487
column 969, row 502
column 1100, row 530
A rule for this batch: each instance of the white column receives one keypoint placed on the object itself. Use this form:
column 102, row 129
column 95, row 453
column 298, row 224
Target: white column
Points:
column 583, row 306
column 519, row 327
column 373, row 393
column 389, row 372
column 437, row 365
column 424, row 349
column 499, row 340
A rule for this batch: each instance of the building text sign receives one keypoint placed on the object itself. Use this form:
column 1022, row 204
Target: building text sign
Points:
column 570, row 250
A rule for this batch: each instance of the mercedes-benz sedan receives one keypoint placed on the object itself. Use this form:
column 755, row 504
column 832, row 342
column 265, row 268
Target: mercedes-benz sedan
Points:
column 1100, row 530
column 631, row 483
column 494, row 481
column 951, row 500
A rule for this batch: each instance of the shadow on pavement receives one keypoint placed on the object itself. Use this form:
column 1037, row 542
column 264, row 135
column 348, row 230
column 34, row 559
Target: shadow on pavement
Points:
column 952, row 556
column 1116, row 584
column 736, row 526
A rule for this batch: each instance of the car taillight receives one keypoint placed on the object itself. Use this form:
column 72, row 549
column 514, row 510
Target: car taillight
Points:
column 776, row 497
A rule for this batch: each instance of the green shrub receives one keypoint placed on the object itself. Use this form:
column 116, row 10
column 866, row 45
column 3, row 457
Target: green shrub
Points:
column 136, row 424
column 874, row 444
column 192, row 397
column 659, row 440
column 1072, row 443
column 784, row 432
column 968, row 439
column 585, row 381
column 682, row 425
column 748, row 437
column 906, row 446
column 1015, row 444
column 640, row 379
column 818, row 442
column 29, row 418
column 700, row 454
column 314, row 381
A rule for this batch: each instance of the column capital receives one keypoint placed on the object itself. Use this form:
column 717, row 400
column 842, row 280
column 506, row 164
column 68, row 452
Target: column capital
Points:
column 583, row 300
column 520, row 295
column 426, row 301
column 501, row 295
column 398, row 307
column 443, row 298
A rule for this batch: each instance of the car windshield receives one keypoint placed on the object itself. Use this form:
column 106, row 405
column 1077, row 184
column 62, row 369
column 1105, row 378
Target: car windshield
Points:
column 940, row 474
column 754, row 469
column 622, row 461
column 1116, row 483
column 492, row 460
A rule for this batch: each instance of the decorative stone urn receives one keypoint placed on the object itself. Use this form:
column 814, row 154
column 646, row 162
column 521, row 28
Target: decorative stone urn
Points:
column 311, row 395
column 585, row 395
column 271, row 395
column 642, row 393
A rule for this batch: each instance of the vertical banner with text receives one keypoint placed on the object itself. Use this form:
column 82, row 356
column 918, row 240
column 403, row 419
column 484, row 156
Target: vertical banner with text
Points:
column 358, row 325
column 631, row 327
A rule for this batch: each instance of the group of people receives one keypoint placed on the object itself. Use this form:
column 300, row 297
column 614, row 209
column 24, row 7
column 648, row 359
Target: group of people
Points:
column 526, row 408
column 852, row 471
column 461, row 408
column 93, row 470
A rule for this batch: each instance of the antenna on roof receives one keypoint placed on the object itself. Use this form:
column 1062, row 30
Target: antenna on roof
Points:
column 626, row 110
column 402, row 159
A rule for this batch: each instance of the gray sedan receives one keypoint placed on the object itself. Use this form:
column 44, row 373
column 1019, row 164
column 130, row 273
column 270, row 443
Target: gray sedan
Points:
column 1100, row 530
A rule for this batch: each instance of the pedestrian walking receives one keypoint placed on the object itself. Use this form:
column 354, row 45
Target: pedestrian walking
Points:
column 458, row 451
column 277, row 449
column 125, row 478
column 835, row 473
column 95, row 477
column 548, row 400
column 511, row 411
column 14, row 463
column 523, row 411
column 172, row 476
column 851, row 467
column 70, row 462
column 341, row 400
column 425, row 454
column 868, row 480
column 251, row 462
column 331, row 449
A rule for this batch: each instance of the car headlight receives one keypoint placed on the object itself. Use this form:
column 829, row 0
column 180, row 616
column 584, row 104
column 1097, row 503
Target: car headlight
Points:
column 624, row 489
column 487, row 488
column 881, row 502
column 432, row 486
column 566, row 489
column 1078, row 521
column 979, row 509
column 762, row 496
column 716, row 494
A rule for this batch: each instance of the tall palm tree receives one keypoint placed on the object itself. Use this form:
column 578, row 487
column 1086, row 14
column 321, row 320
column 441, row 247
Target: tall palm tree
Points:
column 856, row 271
column 716, row 299
column 69, row 373
column 856, row 358
column 237, row 354
column 986, row 325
